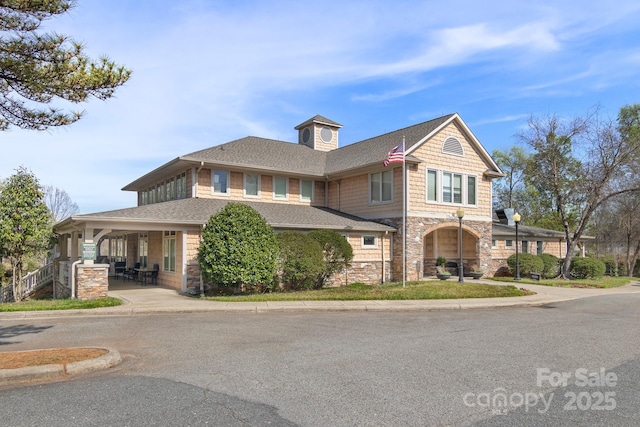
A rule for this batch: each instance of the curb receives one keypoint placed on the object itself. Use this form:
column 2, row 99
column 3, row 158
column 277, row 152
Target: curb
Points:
column 58, row 371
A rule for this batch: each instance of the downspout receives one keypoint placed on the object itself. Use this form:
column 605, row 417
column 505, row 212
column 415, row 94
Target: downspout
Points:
column 383, row 259
column 73, row 277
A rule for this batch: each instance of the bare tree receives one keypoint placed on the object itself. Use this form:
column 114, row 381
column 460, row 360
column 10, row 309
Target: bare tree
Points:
column 582, row 163
column 513, row 163
column 59, row 203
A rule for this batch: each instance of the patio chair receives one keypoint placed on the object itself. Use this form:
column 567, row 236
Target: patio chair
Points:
column 154, row 274
column 131, row 273
column 119, row 268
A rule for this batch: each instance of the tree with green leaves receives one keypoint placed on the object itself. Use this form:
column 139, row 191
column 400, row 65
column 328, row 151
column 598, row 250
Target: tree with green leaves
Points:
column 300, row 260
column 40, row 68
column 337, row 251
column 581, row 163
column 25, row 223
column 238, row 249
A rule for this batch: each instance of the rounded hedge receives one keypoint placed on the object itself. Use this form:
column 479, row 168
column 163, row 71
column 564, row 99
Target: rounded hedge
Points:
column 528, row 263
column 587, row 268
column 551, row 265
column 238, row 249
column 337, row 251
column 300, row 260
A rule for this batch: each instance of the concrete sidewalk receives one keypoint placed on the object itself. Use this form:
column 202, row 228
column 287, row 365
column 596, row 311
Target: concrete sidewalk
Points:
column 157, row 300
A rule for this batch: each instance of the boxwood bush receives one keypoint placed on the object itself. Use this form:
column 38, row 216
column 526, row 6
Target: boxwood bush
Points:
column 587, row 268
column 528, row 263
column 300, row 260
column 551, row 266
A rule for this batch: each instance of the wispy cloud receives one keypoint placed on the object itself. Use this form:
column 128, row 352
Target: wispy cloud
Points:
column 208, row 72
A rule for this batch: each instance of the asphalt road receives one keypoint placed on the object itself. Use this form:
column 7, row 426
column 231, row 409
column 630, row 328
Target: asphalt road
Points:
column 571, row 363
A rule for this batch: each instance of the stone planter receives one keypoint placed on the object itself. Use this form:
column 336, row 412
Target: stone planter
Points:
column 476, row 274
column 443, row 276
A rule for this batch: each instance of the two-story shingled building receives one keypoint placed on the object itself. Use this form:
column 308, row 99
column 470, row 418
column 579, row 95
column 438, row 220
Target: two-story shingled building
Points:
column 311, row 184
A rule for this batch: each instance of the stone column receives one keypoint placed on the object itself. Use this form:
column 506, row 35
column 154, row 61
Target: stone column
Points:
column 92, row 281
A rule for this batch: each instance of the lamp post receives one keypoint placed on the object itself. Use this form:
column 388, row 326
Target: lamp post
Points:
column 516, row 219
column 460, row 214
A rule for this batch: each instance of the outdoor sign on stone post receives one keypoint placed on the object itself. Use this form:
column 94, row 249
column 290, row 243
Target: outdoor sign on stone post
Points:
column 88, row 251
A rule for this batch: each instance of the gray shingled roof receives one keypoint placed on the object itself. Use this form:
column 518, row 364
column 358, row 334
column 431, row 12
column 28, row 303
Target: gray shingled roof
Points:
column 262, row 153
column 194, row 211
column 296, row 158
column 318, row 119
column 375, row 150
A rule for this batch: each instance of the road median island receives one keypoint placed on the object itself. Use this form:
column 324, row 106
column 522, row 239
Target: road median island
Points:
column 18, row 367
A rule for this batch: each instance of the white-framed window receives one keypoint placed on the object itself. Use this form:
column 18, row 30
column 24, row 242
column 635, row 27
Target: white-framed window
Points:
column 152, row 195
column 144, row 197
column 508, row 243
column 524, row 247
column 451, row 187
column 432, row 185
column 280, row 187
column 181, row 186
column 251, row 185
column 381, row 187
column 471, row 190
column 169, row 250
column 494, row 244
column 143, row 249
column 219, row 182
column 160, row 192
column 306, row 190
column 118, row 248
column 171, row 189
column 539, row 247
column 369, row 242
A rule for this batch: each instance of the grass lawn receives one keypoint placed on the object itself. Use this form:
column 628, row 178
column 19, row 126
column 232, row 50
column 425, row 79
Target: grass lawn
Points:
column 604, row 282
column 59, row 304
column 389, row 291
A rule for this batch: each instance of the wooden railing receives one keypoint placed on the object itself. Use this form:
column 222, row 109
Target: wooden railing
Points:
column 30, row 283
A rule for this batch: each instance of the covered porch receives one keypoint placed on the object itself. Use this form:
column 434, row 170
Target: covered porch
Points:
column 132, row 253
column 444, row 242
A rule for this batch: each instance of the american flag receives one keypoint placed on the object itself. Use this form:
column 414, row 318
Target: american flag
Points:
column 396, row 155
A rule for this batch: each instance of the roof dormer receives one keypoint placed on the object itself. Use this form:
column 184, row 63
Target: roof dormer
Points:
column 319, row 133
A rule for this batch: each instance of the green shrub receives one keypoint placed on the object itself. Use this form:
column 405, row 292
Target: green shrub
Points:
column 441, row 260
column 528, row 263
column 238, row 249
column 300, row 260
column 622, row 269
column 551, row 267
column 587, row 268
column 337, row 252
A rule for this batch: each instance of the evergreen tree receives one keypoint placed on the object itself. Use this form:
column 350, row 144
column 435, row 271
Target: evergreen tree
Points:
column 40, row 68
column 25, row 223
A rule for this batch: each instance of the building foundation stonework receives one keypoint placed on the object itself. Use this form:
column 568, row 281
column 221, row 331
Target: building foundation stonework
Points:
column 92, row 281
column 417, row 264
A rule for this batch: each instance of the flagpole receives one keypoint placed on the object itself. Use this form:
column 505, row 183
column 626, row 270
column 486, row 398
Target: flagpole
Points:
column 404, row 215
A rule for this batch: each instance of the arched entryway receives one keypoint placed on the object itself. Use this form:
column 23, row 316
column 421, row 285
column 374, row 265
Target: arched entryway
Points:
column 443, row 241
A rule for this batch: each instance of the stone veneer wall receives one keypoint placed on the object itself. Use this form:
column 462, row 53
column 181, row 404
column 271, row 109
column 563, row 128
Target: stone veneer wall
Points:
column 369, row 272
column 418, row 228
column 92, row 281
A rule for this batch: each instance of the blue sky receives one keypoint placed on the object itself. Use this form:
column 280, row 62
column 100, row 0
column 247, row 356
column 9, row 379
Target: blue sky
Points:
column 207, row 72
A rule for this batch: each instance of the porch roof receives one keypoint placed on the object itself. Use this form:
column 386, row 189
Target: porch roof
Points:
column 502, row 230
column 196, row 212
